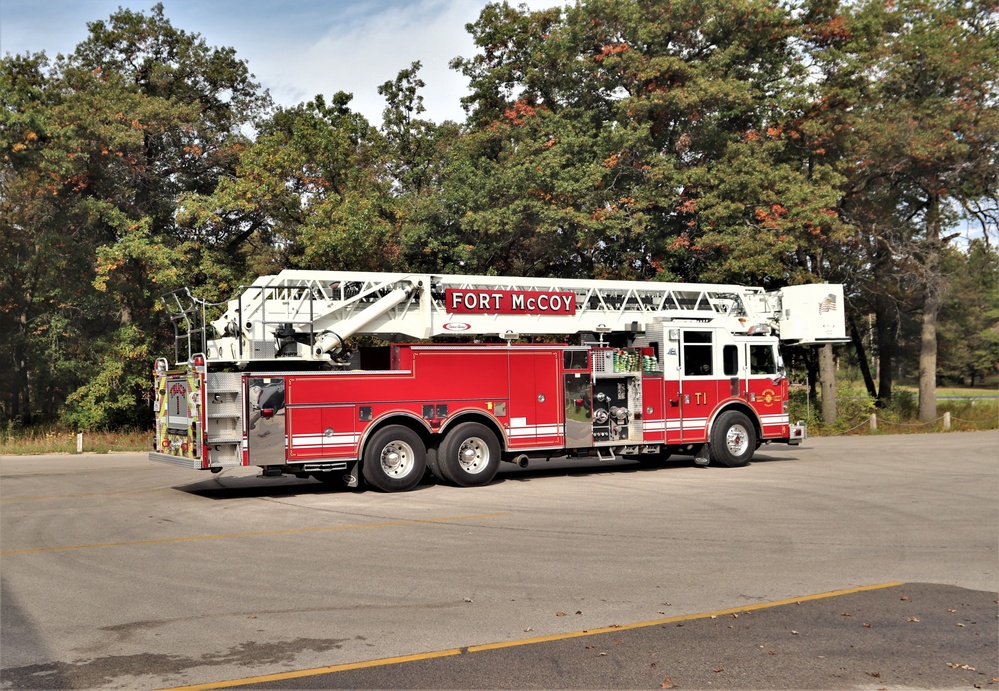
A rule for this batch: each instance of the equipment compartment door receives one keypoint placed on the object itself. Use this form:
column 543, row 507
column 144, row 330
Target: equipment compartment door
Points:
column 535, row 399
column 266, row 434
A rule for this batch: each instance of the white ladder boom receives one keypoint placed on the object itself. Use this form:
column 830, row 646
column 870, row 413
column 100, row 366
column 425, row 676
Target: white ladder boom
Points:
column 304, row 314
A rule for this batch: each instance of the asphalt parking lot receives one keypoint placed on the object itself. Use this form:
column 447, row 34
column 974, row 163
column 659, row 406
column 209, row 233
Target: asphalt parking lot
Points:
column 905, row 635
column 121, row 573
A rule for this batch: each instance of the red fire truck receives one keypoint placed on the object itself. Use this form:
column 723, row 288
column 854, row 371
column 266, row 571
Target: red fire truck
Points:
column 477, row 370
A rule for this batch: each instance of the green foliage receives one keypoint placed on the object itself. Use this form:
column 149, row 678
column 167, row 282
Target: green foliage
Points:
column 969, row 320
column 904, row 406
column 309, row 192
column 802, row 407
column 636, row 139
column 44, row 439
column 917, row 138
column 95, row 153
column 116, row 386
column 739, row 141
column 971, row 414
column 853, row 408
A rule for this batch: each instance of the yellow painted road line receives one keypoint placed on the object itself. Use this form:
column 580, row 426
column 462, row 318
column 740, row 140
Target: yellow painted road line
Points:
column 320, row 529
column 685, row 617
column 284, row 676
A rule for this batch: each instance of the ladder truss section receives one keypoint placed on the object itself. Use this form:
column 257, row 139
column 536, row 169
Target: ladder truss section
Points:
column 318, row 302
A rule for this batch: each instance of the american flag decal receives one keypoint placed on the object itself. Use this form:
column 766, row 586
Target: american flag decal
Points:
column 828, row 304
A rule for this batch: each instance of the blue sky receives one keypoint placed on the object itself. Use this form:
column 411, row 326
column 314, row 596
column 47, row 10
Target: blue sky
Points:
column 296, row 48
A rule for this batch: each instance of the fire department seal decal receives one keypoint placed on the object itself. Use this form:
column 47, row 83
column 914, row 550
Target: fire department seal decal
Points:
column 770, row 397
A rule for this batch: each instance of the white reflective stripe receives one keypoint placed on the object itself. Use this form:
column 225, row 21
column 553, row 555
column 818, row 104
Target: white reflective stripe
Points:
column 536, row 431
column 304, row 440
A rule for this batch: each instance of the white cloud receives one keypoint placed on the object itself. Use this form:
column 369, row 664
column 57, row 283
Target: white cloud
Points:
column 296, row 50
column 359, row 56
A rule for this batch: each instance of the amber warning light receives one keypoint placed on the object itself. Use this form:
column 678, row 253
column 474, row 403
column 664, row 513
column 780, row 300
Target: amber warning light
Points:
column 470, row 301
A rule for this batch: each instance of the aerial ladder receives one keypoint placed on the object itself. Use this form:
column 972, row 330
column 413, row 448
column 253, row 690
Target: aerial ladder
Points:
column 307, row 316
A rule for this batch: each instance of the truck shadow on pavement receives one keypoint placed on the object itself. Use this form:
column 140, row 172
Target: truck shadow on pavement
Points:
column 222, row 486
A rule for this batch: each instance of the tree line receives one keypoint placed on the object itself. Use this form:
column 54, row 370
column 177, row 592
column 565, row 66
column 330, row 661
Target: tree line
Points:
column 748, row 141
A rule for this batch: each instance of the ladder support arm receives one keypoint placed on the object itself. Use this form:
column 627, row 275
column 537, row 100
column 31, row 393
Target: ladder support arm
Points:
column 330, row 340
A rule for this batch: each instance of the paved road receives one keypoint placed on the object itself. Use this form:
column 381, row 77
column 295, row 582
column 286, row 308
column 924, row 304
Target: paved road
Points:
column 903, row 636
column 120, row 573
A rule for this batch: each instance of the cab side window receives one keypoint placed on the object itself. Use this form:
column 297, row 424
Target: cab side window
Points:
column 762, row 359
column 730, row 359
column 698, row 353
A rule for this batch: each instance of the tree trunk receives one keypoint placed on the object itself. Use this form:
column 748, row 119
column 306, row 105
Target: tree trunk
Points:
column 21, row 398
column 931, row 309
column 865, row 367
column 928, row 357
column 827, row 377
column 886, row 324
column 811, row 364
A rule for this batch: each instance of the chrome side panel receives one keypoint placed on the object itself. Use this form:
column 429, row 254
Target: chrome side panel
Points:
column 578, row 405
column 267, row 433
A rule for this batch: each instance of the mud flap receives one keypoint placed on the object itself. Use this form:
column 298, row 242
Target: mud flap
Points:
column 350, row 478
column 703, row 455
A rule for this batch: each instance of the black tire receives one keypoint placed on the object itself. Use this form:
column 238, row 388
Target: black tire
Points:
column 733, row 440
column 433, row 462
column 469, row 456
column 395, row 459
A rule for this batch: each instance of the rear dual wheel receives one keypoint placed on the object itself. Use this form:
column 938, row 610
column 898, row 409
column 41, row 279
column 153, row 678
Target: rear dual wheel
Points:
column 395, row 459
column 469, row 456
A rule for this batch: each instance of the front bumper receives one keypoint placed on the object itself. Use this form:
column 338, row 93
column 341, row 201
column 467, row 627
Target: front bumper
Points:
column 797, row 433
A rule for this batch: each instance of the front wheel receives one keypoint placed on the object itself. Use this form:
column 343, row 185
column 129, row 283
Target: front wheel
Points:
column 395, row 459
column 469, row 456
column 733, row 440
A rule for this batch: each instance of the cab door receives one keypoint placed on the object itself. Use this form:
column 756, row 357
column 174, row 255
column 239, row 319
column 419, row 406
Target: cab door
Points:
column 699, row 382
column 764, row 385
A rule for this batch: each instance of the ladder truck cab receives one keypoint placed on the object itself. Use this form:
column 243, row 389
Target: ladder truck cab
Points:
column 657, row 368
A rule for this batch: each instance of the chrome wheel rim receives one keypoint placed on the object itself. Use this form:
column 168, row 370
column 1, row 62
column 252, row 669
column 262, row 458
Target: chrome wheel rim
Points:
column 397, row 459
column 737, row 440
column 473, row 455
